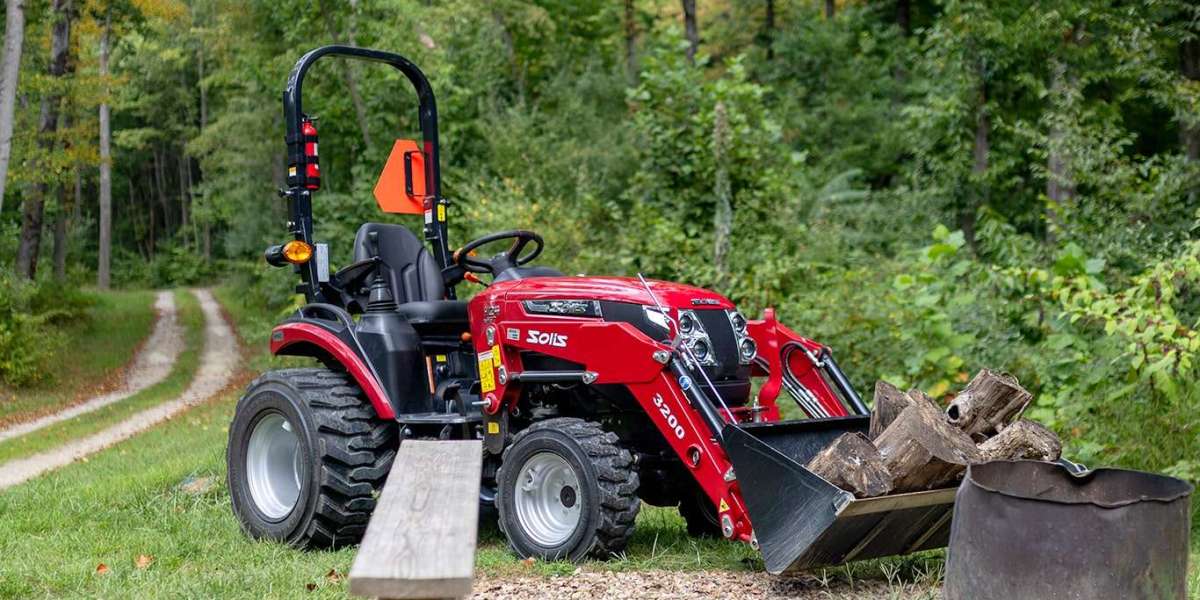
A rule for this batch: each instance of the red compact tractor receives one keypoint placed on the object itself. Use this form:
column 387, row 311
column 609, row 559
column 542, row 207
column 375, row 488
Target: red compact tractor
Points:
column 590, row 394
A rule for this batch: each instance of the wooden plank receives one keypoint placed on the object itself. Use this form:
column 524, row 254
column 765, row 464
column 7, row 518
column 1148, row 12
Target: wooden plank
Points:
column 420, row 542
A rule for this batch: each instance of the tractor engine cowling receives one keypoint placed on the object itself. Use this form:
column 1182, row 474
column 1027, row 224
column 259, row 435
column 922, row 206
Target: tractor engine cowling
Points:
column 717, row 337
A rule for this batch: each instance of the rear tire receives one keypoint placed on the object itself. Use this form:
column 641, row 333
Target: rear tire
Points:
column 306, row 456
column 567, row 490
column 700, row 515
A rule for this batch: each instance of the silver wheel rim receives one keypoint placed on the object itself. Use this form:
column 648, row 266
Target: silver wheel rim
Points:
column 273, row 466
column 548, row 499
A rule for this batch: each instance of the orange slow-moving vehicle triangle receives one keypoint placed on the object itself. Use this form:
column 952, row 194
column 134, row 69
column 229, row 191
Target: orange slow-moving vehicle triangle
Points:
column 401, row 186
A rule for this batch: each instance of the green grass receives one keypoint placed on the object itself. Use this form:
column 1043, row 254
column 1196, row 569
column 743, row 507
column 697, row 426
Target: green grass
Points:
column 131, row 500
column 192, row 320
column 97, row 347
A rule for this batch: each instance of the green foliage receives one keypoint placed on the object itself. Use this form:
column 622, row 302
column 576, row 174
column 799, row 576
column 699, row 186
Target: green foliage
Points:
column 30, row 317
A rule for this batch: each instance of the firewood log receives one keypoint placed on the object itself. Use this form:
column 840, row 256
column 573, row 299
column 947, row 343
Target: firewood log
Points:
column 852, row 463
column 889, row 403
column 989, row 403
column 1024, row 439
column 923, row 451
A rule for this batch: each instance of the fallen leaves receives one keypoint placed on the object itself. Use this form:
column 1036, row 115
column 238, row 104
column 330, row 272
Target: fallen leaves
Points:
column 197, row 485
column 102, row 569
column 143, row 561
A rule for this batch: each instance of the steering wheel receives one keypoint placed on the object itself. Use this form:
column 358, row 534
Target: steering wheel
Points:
column 503, row 261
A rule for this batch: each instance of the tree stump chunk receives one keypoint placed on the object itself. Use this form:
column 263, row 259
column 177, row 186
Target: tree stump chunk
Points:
column 990, row 402
column 853, row 463
column 1023, row 440
column 922, row 451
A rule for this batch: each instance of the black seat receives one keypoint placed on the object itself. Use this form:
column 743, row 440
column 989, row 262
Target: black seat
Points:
column 413, row 276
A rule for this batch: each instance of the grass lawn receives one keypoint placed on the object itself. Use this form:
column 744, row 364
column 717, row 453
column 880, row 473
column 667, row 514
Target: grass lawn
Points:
column 97, row 348
column 192, row 320
column 150, row 518
column 162, row 496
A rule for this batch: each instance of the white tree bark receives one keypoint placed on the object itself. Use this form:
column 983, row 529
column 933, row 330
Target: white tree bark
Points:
column 14, row 37
column 103, row 274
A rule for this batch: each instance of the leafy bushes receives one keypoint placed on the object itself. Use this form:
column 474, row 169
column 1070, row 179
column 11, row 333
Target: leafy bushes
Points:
column 31, row 316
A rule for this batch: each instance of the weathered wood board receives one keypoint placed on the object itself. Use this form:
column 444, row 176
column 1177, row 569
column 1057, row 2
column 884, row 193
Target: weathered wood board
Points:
column 420, row 542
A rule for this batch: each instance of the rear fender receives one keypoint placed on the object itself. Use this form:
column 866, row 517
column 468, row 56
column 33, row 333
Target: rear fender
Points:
column 313, row 337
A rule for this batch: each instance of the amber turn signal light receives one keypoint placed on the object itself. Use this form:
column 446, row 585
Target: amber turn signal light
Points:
column 297, row 252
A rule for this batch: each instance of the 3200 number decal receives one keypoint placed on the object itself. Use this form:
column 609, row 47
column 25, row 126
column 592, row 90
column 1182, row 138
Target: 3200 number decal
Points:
column 672, row 421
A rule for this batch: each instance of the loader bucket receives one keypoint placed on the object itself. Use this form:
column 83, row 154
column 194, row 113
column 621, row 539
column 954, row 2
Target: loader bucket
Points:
column 802, row 521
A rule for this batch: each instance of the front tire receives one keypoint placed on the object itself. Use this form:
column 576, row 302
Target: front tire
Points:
column 306, row 456
column 566, row 490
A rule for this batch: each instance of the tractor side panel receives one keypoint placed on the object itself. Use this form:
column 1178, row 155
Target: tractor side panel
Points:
column 618, row 354
column 301, row 339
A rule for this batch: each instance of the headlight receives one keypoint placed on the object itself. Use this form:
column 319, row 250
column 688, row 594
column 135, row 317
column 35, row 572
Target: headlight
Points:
column 748, row 349
column 687, row 323
column 700, row 350
column 566, row 308
column 738, row 321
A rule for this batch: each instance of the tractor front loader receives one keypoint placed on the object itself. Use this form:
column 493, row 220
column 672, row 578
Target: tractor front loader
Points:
column 590, row 394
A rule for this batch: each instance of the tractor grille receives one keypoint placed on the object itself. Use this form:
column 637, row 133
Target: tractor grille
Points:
column 730, row 377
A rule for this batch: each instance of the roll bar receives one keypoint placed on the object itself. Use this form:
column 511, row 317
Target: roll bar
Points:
column 300, row 197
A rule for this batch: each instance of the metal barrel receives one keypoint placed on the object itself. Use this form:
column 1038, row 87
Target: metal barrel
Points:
column 1028, row 529
column 802, row 521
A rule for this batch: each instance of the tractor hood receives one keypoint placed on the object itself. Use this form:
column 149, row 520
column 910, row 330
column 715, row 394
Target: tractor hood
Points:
column 615, row 289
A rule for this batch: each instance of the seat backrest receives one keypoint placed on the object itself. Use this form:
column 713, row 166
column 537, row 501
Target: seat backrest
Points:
column 411, row 271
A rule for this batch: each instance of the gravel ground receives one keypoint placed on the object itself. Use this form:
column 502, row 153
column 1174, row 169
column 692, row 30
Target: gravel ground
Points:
column 218, row 363
column 689, row 585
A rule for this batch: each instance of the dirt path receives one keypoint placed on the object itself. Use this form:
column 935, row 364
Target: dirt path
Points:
column 690, row 585
column 151, row 365
column 217, row 366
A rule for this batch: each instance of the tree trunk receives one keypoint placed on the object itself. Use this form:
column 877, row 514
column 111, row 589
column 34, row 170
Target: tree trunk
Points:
column 1023, row 440
column 203, row 88
column 629, row 23
column 510, row 52
column 14, row 38
column 691, row 30
column 61, row 217
column 852, row 463
column 184, row 199
column 830, row 8
column 989, row 403
column 34, row 209
column 982, row 146
column 1189, row 66
column 103, row 268
column 347, row 71
column 769, row 29
column 77, row 205
column 723, row 215
column 160, row 185
column 60, row 236
column 904, row 16
column 1060, row 187
column 924, row 452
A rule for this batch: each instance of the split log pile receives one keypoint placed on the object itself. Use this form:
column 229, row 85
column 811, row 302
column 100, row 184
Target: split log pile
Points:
column 913, row 445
